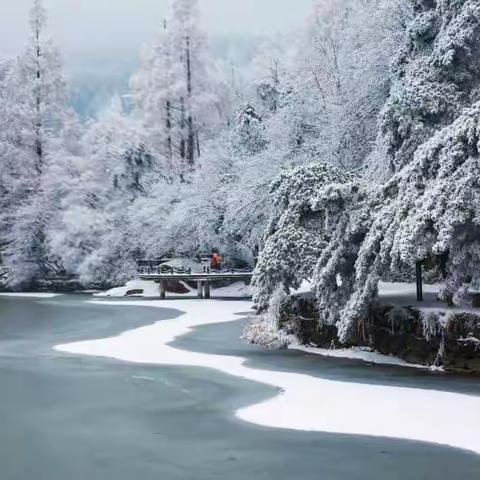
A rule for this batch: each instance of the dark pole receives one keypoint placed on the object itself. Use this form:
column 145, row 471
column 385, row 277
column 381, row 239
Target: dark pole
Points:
column 418, row 268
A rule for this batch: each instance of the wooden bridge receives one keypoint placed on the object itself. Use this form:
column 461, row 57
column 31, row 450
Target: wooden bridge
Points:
column 203, row 280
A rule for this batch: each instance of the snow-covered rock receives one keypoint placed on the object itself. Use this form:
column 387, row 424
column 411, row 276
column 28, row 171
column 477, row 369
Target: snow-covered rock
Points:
column 141, row 288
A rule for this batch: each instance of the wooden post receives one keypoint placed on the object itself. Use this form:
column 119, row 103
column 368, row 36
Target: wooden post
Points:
column 418, row 271
column 163, row 289
column 200, row 289
column 207, row 289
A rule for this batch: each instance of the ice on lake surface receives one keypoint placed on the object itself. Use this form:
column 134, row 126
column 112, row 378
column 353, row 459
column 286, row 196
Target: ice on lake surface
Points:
column 71, row 416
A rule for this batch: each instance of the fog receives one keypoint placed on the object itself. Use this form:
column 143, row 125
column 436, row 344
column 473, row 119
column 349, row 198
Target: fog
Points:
column 101, row 39
column 122, row 26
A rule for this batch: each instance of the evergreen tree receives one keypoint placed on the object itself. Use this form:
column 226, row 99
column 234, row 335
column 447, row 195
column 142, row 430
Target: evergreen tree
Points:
column 35, row 112
column 177, row 93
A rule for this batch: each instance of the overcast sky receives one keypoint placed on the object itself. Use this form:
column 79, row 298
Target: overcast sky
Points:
column 98, row 26
column 101, row 40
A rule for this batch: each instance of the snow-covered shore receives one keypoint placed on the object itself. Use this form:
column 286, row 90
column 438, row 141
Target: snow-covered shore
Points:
column 358, row 353
column 305, row 402
column 29, row 295
column 150, row 289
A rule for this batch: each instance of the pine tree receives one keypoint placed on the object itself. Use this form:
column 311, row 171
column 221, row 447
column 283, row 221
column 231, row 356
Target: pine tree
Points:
column 36, row 109
column 177, row 94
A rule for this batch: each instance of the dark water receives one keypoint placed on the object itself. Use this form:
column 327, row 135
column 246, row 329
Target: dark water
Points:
column 68, row 417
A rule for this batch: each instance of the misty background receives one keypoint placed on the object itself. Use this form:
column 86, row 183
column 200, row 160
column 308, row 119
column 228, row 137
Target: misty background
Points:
column 101, row 40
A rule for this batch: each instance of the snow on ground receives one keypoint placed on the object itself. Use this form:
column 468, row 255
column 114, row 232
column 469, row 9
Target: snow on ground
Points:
column 306, row 287
column 356, row 353
column 30, row 295
column 405, row 294
column 197, row 267
column 305, row 402
column 235, row 290
column 151, row 289
column 399, row 289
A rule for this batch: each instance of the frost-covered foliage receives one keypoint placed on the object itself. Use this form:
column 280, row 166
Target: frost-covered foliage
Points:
column 428, row 211
column 311, row 100
column 37, row 146
column 437, row 207
column 264, row 329
column 179, row 96
column 96, row 241
column 191, row 166
column 295, row 235
column 181, row 172
column 350, row 45
column 434, row 77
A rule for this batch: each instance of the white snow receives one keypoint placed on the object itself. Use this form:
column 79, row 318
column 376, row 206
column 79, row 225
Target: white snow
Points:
column 306, row 287
column 151, row 289
column 29, row 295
column 305, row 402
column 197, row 267
column 356, row 353
column 235, row 290
column 398, row 289
column 405, row 294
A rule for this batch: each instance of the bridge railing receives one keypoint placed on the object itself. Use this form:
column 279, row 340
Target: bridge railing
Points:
column 167, row 270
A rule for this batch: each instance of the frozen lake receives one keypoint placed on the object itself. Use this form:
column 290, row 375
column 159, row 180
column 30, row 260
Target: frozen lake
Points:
column 77, row 417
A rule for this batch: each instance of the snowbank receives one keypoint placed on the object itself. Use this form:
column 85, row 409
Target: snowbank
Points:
column 306, row 402
column 307, row 286
column 235, row 290
column 150, row 289
column 30, row 295
column 405, row 294
column 405, row 289
column 187, row 263
column 357, row 353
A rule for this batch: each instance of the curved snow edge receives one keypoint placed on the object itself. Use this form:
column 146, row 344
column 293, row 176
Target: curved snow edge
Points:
column 29, row 295
column 305, row 402
column 358, row 353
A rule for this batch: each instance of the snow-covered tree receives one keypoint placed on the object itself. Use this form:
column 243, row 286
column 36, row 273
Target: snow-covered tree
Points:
column 349, row 46
column 248, row 133
column 177, row 92
column 313, row 100
column 5, row 150
column 114, row 170
column 296, row 235
column 428, row 211
column 434, row 77
column 34, row 113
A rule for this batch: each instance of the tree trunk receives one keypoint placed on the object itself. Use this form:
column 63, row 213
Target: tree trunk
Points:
column 191, row 129
column 38, row 103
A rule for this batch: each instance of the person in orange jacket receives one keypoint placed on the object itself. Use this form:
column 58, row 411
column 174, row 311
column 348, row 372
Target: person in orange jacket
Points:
column 216, row 261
